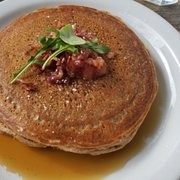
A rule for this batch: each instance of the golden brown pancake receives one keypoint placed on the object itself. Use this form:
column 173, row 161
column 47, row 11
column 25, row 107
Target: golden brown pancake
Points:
column 92, row 117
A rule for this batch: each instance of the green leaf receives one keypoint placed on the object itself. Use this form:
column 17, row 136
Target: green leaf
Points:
column 32, row 60
column 94, row 41
column 49, row 42
column 101, row 49
column 21, row 71
column 46, row 42
column 42, row 39
column 66, row 33
column 95, row 46
column 65, row 40
column 39, row 62
column 73, row 49
column 52, row 29
column 57, row 44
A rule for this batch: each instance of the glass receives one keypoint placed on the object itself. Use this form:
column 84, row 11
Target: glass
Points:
column 162, row 2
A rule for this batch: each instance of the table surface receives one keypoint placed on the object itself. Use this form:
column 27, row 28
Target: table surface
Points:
column 170, row 13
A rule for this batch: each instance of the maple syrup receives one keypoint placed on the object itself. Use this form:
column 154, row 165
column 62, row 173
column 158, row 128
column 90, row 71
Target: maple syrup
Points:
column 45, row 164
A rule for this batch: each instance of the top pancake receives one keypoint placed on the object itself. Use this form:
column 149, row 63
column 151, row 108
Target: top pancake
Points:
column 86, row 115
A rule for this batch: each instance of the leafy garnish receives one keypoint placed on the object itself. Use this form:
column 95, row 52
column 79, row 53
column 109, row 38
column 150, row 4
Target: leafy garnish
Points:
column 32, row 60
column 95, row 46
column 64, row 40
column 66, row 33
column 59, row 51
column 46, row 42
column 52, row 29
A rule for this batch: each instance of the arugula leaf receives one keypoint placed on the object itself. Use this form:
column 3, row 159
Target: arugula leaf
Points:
column 95, row 46
column 59, row 51
column 39, row 62
column 57, row 44
column 66, row 33
column 46, row 42
column 52, row 29
column 42, row 39
column 21, row 71
column 32, row 60
column 65, row 40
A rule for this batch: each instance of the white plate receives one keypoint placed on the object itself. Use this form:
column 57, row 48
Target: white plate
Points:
column 160, row 158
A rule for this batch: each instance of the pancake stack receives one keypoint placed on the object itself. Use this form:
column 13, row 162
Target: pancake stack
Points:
column 87, row 116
